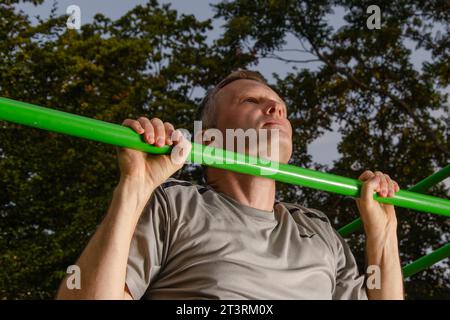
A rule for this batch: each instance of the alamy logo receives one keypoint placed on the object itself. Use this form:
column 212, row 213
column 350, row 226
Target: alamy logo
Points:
column 373, row 277
column 249, row 146
column 74, row 20
column 74, row 280
column 374, row 20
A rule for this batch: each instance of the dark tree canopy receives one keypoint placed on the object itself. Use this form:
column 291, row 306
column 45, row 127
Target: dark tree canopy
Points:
column 392, row 116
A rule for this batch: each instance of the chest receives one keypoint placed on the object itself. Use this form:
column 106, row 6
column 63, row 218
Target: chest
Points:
column 249, row 255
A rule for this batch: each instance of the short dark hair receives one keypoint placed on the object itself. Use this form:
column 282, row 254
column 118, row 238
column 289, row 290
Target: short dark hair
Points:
column 205, row 112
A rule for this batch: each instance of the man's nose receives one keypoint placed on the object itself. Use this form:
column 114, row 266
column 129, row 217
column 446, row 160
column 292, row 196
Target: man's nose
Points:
column 273, row 108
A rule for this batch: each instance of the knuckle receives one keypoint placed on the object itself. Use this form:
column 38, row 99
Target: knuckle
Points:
column 156, row 121
column 130, row 121
column 365, row 175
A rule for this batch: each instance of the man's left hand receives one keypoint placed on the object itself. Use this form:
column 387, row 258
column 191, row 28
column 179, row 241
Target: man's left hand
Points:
column 378, row 218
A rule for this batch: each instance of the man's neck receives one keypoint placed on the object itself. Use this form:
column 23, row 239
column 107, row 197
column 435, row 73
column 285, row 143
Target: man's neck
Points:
column 248, row 190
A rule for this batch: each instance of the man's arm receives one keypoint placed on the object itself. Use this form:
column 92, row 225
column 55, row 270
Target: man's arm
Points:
column 103, row 263
column 384, row 254
column 380, row 226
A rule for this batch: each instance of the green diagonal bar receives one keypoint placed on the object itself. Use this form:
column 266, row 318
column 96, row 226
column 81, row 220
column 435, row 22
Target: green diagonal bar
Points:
column 66, row 123
column 422, row 186
column 427, row 261
column 432, row 180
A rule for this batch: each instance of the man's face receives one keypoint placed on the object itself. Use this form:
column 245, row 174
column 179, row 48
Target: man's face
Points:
column 248, row 104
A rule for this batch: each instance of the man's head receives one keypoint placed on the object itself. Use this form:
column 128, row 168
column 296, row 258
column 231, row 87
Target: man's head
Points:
column 244, row 100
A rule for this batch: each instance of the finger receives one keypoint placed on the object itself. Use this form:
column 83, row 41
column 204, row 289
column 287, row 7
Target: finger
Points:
column 391, row 187
column 397, row 187
column 368, row 188
column 182, row 148
column 185, row 145
column 160, row 132
column 133, row 124
column 176, row 137
column 169, row 130
column 366, row 175
column 149, row 130
column 383, row 189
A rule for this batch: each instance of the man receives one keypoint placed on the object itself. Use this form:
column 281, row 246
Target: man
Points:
column 230, row 239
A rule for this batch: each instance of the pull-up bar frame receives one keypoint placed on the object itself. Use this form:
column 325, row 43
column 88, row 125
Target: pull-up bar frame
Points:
column 114, row 134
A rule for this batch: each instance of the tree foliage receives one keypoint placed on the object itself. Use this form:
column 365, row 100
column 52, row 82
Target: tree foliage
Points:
column 392, row 116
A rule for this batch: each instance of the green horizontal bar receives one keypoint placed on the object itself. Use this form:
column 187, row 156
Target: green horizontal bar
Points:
column 421, row 186
column 427, row 261
column 66, row 123
column 74, row 125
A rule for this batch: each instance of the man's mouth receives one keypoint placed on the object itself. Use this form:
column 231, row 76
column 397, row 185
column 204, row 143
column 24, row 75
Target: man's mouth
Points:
column 271, row 123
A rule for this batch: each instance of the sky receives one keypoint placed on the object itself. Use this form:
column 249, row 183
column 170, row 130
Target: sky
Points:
column 323, row 150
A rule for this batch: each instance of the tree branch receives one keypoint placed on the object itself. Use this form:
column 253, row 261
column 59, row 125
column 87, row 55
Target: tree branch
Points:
column 294, row 50
column 406, row 107
column 277, row 57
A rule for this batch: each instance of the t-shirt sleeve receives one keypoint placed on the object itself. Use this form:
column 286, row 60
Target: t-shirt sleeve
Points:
column 148, row 248
column 350, row 285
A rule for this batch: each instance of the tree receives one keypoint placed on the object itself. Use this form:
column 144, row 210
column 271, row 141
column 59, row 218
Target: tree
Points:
column 55, row 189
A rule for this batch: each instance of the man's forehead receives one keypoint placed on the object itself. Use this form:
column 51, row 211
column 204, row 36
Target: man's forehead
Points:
column 244, row 87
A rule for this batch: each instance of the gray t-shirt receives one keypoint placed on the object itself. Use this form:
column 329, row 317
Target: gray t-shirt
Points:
column 192, row 242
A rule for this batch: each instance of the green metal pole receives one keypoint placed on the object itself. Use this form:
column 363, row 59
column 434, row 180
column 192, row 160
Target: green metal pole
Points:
column 421, row 186
column 427, row 261
column 74, row 125
column 351, row 227
column 432, row 180
column 66, row 123
column 444, row 251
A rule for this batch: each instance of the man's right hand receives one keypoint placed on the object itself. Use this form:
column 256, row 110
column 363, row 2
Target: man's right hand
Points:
column 152, row 170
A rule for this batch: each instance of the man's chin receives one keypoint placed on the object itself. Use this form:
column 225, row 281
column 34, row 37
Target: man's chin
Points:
column 284, row 151
column 284, row 158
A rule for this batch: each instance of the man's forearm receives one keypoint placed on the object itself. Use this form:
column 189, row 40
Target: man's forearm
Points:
column 103, row 262
column 384, row 254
